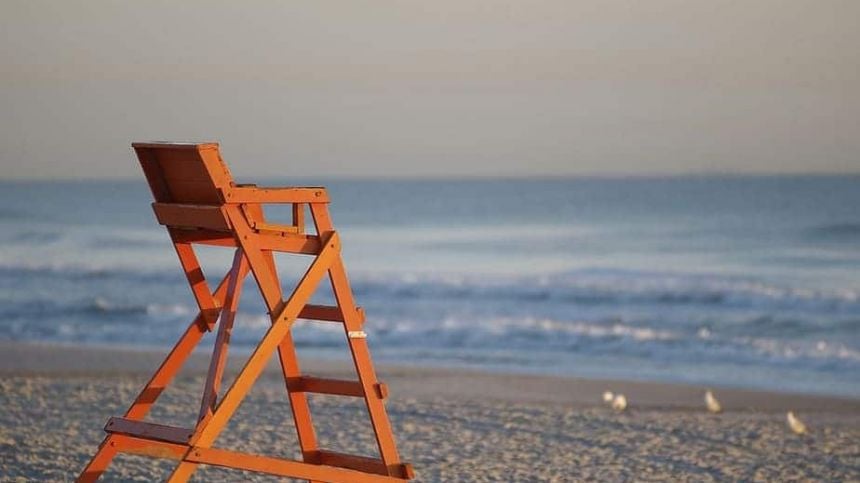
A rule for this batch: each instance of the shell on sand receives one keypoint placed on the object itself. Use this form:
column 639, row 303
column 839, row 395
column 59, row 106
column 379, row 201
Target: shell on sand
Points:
column 711, row 402
column 608, row 397
column 796, row 424
column 619, row 403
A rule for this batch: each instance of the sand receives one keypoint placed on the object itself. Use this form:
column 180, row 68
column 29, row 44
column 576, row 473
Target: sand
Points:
column 452, row 425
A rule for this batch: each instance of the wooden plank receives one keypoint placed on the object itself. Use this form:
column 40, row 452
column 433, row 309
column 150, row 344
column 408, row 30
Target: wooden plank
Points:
column 319, row 385
column 290, row 243
column 328, row 313
column 148, row 447
column 204, row 237
column 222, row 340
column 364, row 463
column 282, row 467
column 286, row 243
column 152, row 172
column 197, row 281
column 140, row 429
column 174, row 145
column 191, row 216
column 299, row 216
column 248, row 194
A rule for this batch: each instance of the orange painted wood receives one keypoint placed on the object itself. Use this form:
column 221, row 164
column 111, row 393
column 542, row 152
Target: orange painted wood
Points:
column 330, row 313
column 247, row 194
column 204, row 237
column 191, row 216
column 299, row 216
column 321, row 385
column 304, row 244
column 363, row 463
column 222, row 340
column 280, row 326
column 198, row 201
column 282, row 467
column 153, row 389
column 358, row 346
column 148, row 447
column 264, row 270
column 286, row 243
column 282, row 320
column 141, row 429
column 209, row 308
column 184, row 173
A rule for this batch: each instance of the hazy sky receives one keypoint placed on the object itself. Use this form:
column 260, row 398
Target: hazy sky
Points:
column 442, row 88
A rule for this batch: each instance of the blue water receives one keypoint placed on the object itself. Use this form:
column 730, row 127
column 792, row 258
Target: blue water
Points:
column 740, row 281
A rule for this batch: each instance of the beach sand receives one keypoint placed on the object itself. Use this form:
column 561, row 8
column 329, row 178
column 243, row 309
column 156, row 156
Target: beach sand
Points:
column 452, row 425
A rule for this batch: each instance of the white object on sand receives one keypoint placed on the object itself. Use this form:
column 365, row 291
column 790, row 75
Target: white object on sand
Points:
column 608, row 397
column 711, row 402
column 619, row 403
column 795, row 424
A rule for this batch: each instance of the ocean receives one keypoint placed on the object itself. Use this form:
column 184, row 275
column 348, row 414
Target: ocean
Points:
column 713, row 280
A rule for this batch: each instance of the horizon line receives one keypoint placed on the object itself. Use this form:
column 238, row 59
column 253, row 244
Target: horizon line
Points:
column 481, row 177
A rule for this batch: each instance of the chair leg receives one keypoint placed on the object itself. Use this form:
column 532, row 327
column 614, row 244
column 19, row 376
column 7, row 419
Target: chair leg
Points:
column 155, row 386
column 222, row 339
column 182, row 472
column 358, row 346
column 298, row 400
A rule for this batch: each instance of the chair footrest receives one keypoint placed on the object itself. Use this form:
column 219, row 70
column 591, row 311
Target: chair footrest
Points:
column 140, row 429
column 342, row 469
column 284, row 467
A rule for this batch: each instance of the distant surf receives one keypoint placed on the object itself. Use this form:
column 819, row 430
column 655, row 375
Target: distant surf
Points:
column 733, row 281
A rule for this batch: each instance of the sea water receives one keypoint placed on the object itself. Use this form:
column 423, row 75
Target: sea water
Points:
column 739, row 281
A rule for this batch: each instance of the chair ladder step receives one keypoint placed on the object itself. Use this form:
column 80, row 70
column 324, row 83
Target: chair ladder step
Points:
column 337, row 387
column 326, row 313
column 144, row 430
column 362, row 463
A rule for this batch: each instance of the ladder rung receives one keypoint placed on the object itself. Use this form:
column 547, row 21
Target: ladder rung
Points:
column 362, row 463
column 328, row 313
column 144, row 430
column 338, row 387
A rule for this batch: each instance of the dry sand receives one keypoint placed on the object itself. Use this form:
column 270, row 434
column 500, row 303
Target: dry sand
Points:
column 452, row 425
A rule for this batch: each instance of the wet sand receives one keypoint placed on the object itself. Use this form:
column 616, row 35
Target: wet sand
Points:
column 452, row 425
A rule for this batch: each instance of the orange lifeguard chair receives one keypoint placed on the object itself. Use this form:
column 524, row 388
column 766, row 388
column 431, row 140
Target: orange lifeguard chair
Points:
column 198, row 202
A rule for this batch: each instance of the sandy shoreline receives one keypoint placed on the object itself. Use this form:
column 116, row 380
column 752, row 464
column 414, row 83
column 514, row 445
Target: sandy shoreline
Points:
column 453, row 425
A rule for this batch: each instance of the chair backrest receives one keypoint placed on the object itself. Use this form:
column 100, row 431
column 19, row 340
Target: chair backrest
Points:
column 185, row 173
column 188, row 182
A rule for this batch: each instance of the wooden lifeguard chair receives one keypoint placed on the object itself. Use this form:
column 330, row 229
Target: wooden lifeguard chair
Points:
column 198, row 202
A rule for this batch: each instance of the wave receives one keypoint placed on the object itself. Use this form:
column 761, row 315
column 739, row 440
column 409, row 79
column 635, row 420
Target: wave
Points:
column 33, row 238
column 8, row 214
column 835, row 232
column 604, row 287
column 83, row 273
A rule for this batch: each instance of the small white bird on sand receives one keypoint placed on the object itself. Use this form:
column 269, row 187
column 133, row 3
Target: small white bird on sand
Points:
column 619, row 403
column 608, row 397
column 795, row 424
column 711, row 402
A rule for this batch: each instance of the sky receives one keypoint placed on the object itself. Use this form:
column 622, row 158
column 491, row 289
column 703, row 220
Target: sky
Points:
column 450, row 88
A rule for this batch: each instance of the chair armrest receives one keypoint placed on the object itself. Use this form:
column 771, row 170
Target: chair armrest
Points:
column 253, row 194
